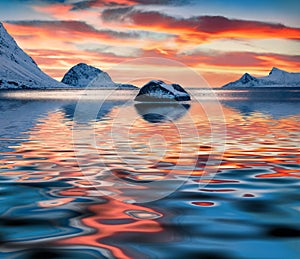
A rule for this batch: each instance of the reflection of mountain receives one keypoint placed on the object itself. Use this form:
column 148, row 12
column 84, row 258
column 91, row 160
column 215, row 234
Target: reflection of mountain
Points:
column 161, row 112
column 273, row 108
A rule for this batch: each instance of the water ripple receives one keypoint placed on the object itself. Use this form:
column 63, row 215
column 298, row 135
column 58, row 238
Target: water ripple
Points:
column 52, row 207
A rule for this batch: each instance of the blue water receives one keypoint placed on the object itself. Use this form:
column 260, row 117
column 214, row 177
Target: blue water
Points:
column 139, row 182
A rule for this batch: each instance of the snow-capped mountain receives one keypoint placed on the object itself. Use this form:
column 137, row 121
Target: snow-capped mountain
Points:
column 83, row 75
column 276, row 78
column 17, row 69
column 157, row 90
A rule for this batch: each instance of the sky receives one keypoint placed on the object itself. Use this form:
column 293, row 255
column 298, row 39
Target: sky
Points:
column 220, row 40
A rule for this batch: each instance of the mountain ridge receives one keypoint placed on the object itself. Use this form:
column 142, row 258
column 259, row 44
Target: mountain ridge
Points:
column 83, row 75
column 276, row 78
column 18, row 69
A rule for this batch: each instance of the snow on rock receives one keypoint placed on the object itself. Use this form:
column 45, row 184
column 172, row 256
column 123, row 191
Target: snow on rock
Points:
column 156, row 90
column 17, row 69
column 83, row 75
column 276, row 78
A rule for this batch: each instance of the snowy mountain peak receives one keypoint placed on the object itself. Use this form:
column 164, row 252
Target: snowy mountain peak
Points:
column 247, row 78
column 276, row 70
column 10, row 49
column 83, row 75
column 276, row 78
column 84, row 66
column 17, row 69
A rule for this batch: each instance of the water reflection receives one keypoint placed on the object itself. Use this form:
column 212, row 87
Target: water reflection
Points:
column 276, row 109
column 84, row 115
column 49, row 207
column 18, row 116
column 160, row 112
column 136, row 161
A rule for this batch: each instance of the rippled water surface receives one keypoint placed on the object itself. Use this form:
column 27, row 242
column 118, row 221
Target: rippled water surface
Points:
column 149, row 181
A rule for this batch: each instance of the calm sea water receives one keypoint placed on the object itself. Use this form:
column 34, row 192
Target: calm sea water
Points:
column 206, row 179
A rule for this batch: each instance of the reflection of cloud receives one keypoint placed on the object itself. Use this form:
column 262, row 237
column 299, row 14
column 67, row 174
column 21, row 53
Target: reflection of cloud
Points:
column 19, row 116
column 113, row 218
column 81, row 117
column 160, row 112
column 64, row 205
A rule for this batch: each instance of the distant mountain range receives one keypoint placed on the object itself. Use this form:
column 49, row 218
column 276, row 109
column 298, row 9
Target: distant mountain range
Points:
column 276, row 78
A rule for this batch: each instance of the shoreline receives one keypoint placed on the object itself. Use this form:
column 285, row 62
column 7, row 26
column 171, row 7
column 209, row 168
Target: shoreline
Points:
column 209, row 94
column 297, row 88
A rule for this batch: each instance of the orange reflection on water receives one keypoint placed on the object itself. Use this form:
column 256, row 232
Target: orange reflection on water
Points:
column 55, row 202
column 253, row 142
column 114, row 210
column 204, row 203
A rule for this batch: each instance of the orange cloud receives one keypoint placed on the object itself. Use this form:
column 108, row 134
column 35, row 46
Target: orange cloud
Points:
column 57, row 63
column 67, row 31
column 58, row 45
column 217, row 69
column 198, row 28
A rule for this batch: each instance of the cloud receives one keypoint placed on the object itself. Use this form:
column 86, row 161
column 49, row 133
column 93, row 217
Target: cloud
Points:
column 116, row 14
column 82, row 5
column 239, row 63
column 279, row 46
column 119, row 51
column 117, row 3
column 87, row 4
column 198, row 27
column 72, row 30
column 127, row 29
column 57, row 62
column 217, row 67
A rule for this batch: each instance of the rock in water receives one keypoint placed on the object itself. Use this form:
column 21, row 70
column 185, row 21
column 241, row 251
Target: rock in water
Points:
column 158, row 91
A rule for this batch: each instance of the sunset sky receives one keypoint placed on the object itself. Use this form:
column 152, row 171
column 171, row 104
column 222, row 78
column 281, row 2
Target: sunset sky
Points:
column 219, row 39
